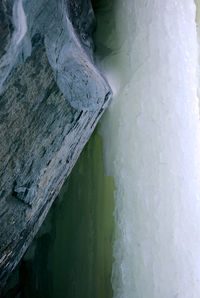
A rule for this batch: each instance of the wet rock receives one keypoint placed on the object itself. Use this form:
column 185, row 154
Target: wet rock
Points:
column 51, row 98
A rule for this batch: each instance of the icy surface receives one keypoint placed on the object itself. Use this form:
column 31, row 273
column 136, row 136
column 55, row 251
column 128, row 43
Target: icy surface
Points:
column 20, row 21
column 152, row 146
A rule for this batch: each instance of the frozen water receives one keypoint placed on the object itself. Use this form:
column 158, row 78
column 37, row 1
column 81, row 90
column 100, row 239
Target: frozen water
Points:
column 151, row 138
column 19, row 20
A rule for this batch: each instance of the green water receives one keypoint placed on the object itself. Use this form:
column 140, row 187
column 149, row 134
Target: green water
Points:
column 72, row 253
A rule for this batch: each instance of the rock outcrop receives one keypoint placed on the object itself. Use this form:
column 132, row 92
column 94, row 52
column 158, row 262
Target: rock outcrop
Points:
column 51, row 98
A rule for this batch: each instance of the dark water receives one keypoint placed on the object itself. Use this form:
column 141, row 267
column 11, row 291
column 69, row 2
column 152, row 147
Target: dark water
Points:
column 72, row 253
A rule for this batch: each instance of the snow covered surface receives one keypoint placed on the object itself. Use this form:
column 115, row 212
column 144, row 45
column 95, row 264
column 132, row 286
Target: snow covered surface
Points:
column 151, row 138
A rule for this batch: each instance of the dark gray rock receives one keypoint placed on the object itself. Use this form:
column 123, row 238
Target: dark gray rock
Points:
column 51, row 98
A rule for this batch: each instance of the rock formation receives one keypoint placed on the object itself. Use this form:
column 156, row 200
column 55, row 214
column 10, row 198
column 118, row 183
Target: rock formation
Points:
column 51, row 98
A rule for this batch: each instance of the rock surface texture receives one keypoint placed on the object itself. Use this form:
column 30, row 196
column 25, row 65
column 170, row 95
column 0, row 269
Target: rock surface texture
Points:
column 51, row 98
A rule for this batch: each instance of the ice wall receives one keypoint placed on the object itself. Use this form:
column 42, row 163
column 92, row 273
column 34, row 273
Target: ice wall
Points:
column 152, row 145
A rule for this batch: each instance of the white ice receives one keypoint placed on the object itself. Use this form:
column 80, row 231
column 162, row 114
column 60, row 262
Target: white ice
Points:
column 19, row 19
column 151, row 136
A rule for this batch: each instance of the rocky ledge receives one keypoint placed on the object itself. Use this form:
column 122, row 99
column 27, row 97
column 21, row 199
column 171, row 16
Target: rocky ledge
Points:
column 51, row 98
